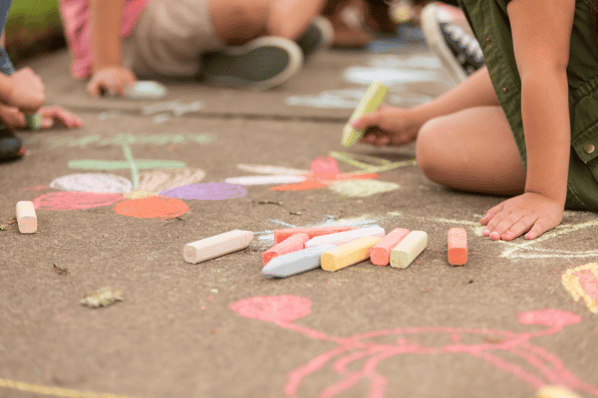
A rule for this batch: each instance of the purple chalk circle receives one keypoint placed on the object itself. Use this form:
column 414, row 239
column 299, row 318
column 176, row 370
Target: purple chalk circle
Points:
column 206, row 191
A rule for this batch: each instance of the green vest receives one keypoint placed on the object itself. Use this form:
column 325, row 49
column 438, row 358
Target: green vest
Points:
column 490, row 23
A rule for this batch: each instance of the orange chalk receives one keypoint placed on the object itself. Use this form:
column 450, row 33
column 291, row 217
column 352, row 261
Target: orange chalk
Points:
column 291, row 244
column 381, row 252
column 457, row 246
column 282, row 234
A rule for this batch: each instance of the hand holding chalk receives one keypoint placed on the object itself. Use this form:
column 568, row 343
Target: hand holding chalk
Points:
column 369, row 103
column 389, row 125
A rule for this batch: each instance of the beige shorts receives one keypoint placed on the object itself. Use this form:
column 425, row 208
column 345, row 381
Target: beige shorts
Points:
column 169, row 37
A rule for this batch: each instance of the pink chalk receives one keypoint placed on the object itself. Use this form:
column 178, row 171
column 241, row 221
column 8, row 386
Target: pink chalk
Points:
column 282, row 234
column 457, row 246
column 324, row 167
column 289, row 245
column 381, row 251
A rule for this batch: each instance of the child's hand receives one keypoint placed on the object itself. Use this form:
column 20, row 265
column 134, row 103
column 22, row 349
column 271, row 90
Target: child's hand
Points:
column 113, row 80
column 26, row 92
column 388, row 126
column 528, row 212
column 50, row 115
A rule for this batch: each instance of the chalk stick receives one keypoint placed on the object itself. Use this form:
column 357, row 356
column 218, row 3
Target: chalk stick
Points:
column 292, row 244
column 348, row 254
column 296, row 262
column 146, row 90
column 26, row 217
column 340, row 238
column 457, row 246
column 555, row 392
column 216, row 246
column 282, row 234
column 408, row 249
column 381, row 252
column 34, row 121
column 369, row 103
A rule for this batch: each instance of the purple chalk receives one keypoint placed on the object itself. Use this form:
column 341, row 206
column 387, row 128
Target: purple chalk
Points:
column 206, row 191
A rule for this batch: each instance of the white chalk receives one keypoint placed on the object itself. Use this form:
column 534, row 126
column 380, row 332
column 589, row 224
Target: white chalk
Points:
column 26, row 217
column 296, row 262
column 148, row 89
column 216, row 246
column 340, row 238
column 408, row 249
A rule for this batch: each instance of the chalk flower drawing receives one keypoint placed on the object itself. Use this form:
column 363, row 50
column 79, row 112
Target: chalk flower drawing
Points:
column 582, row 282
column 541, row 367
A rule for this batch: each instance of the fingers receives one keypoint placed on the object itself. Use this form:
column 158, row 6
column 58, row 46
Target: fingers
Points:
column 52, row 114
column 366, row 121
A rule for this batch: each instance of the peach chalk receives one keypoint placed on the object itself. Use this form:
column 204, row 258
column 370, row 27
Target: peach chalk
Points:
column 292, row 244
column 457, row 246
column 348, row 254
column 555, row 392
column 26, row 217
column 215, row 246
column 282, row 234
column 381, row 252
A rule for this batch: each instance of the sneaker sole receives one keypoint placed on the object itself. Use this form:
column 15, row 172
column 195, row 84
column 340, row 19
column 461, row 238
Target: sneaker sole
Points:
column 240, row 66
column 435, row 41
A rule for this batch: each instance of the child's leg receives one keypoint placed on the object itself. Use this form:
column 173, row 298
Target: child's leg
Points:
column 472, row 150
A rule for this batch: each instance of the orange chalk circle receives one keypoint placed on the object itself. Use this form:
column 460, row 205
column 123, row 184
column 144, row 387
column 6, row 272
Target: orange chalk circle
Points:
column 152, row 207
column 293, row 243
column 457, row 246
column 582, row 283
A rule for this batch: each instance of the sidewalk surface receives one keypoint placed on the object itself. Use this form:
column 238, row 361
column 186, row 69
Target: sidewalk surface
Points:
column 503, row 325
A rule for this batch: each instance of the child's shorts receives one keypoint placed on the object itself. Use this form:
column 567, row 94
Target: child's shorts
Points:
column 169, row 37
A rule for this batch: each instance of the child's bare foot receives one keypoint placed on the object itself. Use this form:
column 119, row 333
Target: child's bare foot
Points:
column 388, row 125
column 530, row 212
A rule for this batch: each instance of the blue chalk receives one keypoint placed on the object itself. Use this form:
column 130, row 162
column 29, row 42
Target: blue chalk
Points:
column 296, row 262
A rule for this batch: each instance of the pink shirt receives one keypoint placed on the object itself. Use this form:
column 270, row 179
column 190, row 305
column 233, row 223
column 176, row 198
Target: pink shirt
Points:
column 77, row 28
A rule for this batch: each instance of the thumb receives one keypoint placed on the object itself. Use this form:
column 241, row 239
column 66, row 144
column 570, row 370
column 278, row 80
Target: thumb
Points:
column 367, row 120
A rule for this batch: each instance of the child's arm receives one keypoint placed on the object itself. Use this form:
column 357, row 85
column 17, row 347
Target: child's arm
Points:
column 396, row 126
column 290, row 18
column 541, row 36
column 108, row 72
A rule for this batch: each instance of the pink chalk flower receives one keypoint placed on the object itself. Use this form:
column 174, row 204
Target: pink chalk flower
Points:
column 287, row 308
column 549, row 317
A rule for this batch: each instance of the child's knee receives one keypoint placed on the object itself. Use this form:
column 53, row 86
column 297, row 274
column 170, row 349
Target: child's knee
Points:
column 429, row 151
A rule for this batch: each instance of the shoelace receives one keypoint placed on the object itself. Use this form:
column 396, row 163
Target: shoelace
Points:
column 471, row 46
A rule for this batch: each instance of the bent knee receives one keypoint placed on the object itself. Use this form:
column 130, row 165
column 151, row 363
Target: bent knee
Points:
column 430, row 148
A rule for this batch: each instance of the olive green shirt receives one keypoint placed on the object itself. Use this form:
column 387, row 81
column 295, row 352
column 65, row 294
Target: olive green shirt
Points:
column 490, row 23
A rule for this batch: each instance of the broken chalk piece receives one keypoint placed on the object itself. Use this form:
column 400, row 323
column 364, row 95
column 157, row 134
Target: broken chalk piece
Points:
column 381, row 252
column 296, row 262
column 369, row 103
column 408, row 249
column 34, row 121
column 216, row 246
column 457, row 246
column 348, row 254
column 26, row 217
column 289, row 245
column 146, row 90
column 282, row 234
column 555, row 392
column 340, row 238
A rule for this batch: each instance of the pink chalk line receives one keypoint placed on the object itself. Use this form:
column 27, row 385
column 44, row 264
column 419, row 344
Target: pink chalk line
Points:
column 284, row 310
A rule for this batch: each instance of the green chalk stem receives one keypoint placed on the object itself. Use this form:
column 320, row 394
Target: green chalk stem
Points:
column 134, row 170
column 344, row 157
column 369, row 103
column 386, row 167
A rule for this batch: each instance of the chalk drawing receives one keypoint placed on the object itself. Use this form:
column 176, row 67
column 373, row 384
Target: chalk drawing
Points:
column 324, row 167
column 126, row 139
column 349, row 99
column 61, row 201
column 266, row 169
column 541, row 367
column 109, row 115
column 175, row 107
column 582, row 282
column 92, row 182
column 266, row 179
column 160, row 180
column 206, row 191
column 390, row 76
column 162, row 117
column 420, row 61
column 55, row 391
column 362, row 188
column 152, row 207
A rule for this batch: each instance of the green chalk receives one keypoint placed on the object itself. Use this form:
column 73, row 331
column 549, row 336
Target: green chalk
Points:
column 34, row 121
column 369, row 103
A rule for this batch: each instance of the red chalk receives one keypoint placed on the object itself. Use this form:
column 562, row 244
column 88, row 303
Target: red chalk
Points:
column 457, row 246
column 381, row 251
column 291, row 244
column 282, row 234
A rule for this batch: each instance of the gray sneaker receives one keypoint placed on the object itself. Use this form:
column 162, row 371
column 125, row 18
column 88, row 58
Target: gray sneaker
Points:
column 319, row 35
column 261, row 64
column 460, row 52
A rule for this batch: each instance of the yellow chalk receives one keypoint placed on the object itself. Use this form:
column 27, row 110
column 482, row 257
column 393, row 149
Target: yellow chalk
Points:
column 555, row 392
column 369, row 103
column 408, row 249
column 348, row 254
